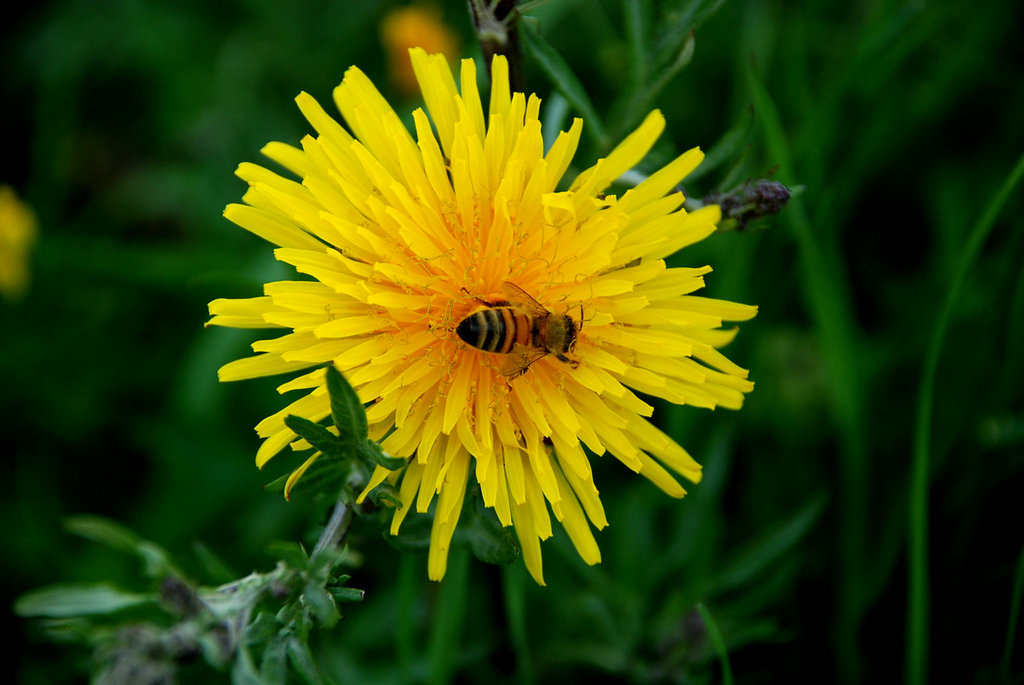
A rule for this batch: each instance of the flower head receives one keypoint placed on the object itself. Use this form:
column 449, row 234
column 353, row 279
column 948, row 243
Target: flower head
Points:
column 17, row 236
column 405, row 238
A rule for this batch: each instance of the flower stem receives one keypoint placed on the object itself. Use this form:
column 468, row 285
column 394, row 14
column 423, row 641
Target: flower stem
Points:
column 496, row 23
column 337, row 527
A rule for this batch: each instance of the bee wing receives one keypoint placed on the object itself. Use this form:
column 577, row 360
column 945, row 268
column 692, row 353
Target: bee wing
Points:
column 522, row 299
column 519, row 359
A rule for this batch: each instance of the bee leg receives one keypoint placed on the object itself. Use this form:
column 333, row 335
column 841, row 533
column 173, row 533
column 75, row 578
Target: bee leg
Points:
column 571, row 362
column 482, row 301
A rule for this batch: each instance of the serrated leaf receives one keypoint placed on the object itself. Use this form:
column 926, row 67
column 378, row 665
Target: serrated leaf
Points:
column 347, row 411
column 303, row 663
column 563, row 79
column 75, row 599
column 374, row 453
column 413, row 536
column 316, row 435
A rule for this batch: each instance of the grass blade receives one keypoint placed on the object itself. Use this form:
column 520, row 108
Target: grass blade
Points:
column 716, row 639
column 918, row 608
column 1011, row 629
column 825, row 285
column 563, row 78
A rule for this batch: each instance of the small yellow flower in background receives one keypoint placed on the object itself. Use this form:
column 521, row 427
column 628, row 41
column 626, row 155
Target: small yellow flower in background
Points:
column 17, row 236
column 413, row 26
column 417, row 247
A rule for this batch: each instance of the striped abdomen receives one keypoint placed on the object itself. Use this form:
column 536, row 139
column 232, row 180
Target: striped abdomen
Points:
column 496, row 329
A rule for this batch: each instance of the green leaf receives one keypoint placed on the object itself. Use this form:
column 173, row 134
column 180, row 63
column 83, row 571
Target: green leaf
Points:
column 325, row 475
column 274, row 664
column 292, row 553
column 156, row 561
column 316, row 435
column 385, row 494
column 490, row 542
column 214, row 568
column 564, row 80
column 243, row 671
column 276, row 486
column 321, row 604
column 303, row 663
column 262, row 629
column 103, row 531
column 74, row 599
column 347, row 594
column 375, row 454
column 413, row 536
column 347, row 411
column 324, row 561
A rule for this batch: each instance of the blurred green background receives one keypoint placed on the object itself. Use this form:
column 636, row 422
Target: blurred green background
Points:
column 900, row 120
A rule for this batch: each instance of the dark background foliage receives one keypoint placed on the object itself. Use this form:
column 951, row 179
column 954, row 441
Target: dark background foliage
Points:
column 123, row 123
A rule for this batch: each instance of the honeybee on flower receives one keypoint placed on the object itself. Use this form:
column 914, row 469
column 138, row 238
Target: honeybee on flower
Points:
column 451, row 279
column 520, row 329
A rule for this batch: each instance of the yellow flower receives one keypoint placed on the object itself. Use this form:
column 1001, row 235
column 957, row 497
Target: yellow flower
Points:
column 17, row 236
column 414, row 26
column 405, row 238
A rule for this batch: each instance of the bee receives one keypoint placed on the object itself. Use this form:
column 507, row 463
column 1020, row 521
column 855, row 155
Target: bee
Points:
column 521, row 329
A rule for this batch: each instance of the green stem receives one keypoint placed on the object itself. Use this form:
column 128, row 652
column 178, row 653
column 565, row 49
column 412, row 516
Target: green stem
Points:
column 515, row 605
column 449, row 619
column 407, row 593
column 337, row 527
